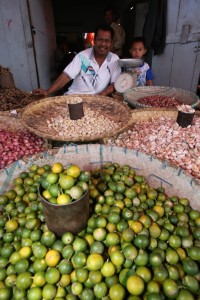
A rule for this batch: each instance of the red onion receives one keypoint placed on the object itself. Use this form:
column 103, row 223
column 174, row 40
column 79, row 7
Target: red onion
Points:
column 15, row 145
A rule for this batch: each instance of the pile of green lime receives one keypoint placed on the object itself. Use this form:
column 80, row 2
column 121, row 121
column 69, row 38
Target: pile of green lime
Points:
column 139, row 243
column 63, row 185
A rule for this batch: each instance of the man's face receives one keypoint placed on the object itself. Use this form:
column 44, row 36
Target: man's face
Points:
column 102, row 43
column 109, row 17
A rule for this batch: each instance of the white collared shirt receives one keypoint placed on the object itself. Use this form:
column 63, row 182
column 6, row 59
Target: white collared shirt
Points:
column 88, row 77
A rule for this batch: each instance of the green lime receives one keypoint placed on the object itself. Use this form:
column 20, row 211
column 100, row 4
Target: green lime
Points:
column 141, row 241
column 52, row 178
column 34, row 293
column 194, row 253
column 24, row 280
column 95, row 277
column 65, row 267
column 49, row 292
column 54, row 190
column 190, row 267
column 185, row 295
column 135, row 285
column 144, row 273
column 5, row 293
column 100, row 290
column 94, row 262
column 160, row 273
column 76, row 192
column 79, row 260
column 97, row 247
column 63, row 199
column 191, row 283
column 52, row 275
column 48, row 238
column 81, row 274
column 66, row 182
column 170, row 288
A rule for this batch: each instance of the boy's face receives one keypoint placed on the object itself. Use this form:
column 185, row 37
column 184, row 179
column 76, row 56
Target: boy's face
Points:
column 137, row 50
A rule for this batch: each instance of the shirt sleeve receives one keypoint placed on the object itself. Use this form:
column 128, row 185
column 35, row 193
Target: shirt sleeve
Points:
column 149, row 75
column 74, row 67
column 115, row 71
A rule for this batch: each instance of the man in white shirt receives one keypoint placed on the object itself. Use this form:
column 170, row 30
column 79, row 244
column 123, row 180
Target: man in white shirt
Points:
column 93, row 70
column 119, row 36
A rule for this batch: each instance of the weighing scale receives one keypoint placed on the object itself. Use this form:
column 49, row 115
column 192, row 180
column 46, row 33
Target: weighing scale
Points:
column 127, row 79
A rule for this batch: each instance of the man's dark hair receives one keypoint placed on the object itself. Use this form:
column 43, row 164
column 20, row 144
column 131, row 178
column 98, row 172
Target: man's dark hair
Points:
column 138, row 39
column 104, row 27
column 110, row 8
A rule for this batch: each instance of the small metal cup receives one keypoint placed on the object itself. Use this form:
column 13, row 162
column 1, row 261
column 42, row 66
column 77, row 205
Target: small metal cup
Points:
column 70, row 217
column 184, row 119
column 76, row 110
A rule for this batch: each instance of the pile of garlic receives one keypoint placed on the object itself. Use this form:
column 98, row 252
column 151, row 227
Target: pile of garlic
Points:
column 165, row 139
column 91, row 125
column 186, row 108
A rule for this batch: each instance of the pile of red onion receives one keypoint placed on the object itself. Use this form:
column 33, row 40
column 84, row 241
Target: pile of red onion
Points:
column 15, row 145
column 159, row 101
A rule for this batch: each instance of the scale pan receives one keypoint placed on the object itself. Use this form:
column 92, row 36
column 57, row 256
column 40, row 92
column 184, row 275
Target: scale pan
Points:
column 130, row 62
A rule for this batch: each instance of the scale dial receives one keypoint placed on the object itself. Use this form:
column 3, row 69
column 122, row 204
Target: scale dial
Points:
column 124, row 82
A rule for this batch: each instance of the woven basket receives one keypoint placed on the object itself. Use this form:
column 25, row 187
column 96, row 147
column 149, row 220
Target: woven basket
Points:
column 118, row 96
column 133, row 95
column 139, row 115
column 93, row 156
column 35, row 115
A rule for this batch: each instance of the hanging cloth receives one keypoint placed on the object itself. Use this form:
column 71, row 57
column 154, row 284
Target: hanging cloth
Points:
column 154, row 30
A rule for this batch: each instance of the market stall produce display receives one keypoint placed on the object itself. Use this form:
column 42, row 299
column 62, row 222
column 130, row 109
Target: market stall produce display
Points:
column 159, row 101
column 185, row 115
column 16, row 141
column 6, row 78
column 14, row 98
column 127, row 79
column 159, row 96
column 103, row 117
column 138, row 242
column 64, row 194
column 89, row 156
column 157, row 133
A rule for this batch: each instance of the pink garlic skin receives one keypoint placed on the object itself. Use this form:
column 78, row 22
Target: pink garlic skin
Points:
column 186, row 108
